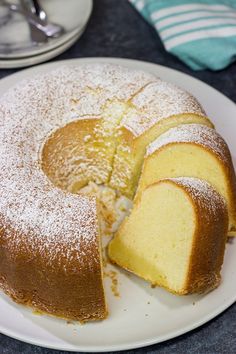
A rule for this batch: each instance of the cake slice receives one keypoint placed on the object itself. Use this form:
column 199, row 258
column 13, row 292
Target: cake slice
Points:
column 192, row 150
column 175, row 236
column 156, row 108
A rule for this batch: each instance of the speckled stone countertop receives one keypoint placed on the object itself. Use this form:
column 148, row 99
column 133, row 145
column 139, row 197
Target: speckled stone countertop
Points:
column 116, row 30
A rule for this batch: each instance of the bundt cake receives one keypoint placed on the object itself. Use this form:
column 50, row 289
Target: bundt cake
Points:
column 192, row 150
column 75, row 130
column 175, row 236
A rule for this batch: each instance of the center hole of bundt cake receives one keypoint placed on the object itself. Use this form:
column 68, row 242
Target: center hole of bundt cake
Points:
column 77, row 158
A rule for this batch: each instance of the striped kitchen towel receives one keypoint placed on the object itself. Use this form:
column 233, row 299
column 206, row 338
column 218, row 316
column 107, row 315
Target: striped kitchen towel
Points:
column 201, row 33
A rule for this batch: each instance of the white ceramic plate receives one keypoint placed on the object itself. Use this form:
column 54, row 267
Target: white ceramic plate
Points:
column 43, row 57
column 16, row 43
column 142, row 315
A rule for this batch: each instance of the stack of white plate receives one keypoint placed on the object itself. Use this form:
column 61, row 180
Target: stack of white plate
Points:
column 16, row 47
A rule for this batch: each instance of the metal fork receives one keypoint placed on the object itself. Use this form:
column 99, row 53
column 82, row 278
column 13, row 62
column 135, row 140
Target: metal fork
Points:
column 37, row 36
column 36, row 23
column 35, row 15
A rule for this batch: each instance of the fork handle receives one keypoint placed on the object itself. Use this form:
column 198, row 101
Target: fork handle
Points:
column 35, row 9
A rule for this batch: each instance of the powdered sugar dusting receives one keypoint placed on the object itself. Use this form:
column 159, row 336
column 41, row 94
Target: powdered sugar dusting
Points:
column 193, row 133
column 202, row 192
column 57, row 222
column 159, row 100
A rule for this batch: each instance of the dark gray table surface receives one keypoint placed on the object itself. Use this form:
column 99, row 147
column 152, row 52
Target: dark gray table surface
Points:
column 116, row 30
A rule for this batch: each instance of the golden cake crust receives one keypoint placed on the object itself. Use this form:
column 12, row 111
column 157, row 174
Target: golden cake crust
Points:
column 210, row 235
column 67, row 285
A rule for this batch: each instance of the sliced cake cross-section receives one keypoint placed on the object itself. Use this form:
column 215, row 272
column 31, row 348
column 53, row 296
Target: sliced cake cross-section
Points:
column 175, row 236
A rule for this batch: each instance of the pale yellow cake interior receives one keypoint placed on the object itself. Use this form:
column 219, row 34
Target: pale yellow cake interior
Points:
column 131, row 149
column 187, row 160
column 155, row 241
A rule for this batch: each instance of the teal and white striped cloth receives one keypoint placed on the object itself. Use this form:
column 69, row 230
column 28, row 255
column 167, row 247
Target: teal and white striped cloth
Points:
column 201, row 33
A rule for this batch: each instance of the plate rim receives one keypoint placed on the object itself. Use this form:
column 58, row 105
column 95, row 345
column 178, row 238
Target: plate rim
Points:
column 14, row 78
column 27, row 62
column 122, row 347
